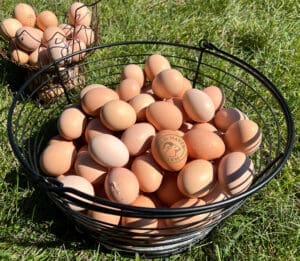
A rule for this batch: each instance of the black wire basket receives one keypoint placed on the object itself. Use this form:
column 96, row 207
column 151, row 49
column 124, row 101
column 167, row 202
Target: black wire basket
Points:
column 31, row 124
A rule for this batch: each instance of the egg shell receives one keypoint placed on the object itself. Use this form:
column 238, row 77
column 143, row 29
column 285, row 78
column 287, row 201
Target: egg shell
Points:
column 9, row 27
column 133, row 71
column 117, row 115
column 28, row 38
column 39, row 57
column 121, row 186
column 235, row 173
column 139, row 103
column 217, row 96
column 154, row 64
column 205, row 126
column 108, row 151
column 60, row 139
column 216, row 195
column 169, row 150
column 178, row 103
column 187, row 85
column 67, row 29
column 198, row 105
column 196, row 179
column 164, row 115
column 244, row 136
column 85, row 34
column 95, row 127
column 128, row 88
column 45, row 19
column 75, row 46
column 57, row 49
column 25, row 14
column 80, row 184
column 105, row 217
column 71, row 123
column 87, row 168
column 203, row 144
column 95, row 98
column 168, row 83
column 19, row 56
column 148, row 172
column 227, row 116
column 53, row 32
column 79, row 14
column 168, row 192
column 57, row 159
column 90, row 87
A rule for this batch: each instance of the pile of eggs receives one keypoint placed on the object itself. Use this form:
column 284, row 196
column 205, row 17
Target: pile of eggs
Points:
column 153, row 142
column 37, row 39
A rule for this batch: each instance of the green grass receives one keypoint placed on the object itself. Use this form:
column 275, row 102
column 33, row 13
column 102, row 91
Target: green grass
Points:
column 266, row 35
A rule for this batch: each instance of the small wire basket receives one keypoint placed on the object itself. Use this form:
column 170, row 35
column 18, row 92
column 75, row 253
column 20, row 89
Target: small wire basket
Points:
column 30, row 126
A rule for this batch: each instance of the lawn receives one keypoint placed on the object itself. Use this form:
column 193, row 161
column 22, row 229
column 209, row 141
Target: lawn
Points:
column 266, row 34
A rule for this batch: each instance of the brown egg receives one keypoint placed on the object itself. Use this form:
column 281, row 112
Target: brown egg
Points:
column 9, row 27
column 108, row 151
column 216, row 195
column 133, row 71
column 85, row 34
column 90, row 87
column 46, row 19
column 79, row 14
column 168, row 83
column 235, row 173
column 25, row 14
column 57, row 159
column 95, row 98
column 117, row 115
column 178, row 103
column 203, row 144
column 95, row 127
column 138, row 137
column 128, row 88
column 67, row 29
column 154, row 64
column 226, row 116
column 148, row 172
column 19, row 56
column 53, row 32
column 105, row 217
column 196, row 179
column 198, row 105
column 169, row 150
column 121, row 186
column 75, row 46
column 139, row 103
column 80, row 184
column 57, row 49
column 164, row 115
column 39, row 57
column 205, row 126
column 244, row 136
column 217, row 96
column 187, row 85
column 60, row 139
column 168, row 192
column 71, row 123
column 28, row 38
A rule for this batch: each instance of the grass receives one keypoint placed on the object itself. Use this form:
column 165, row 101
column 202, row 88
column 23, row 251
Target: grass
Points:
column 266, row 35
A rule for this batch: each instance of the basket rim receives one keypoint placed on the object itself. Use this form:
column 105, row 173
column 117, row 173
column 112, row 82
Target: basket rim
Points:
column 204, row 46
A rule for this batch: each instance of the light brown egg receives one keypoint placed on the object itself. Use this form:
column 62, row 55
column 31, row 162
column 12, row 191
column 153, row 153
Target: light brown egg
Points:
column 19, row 56
column 203, row 144
column 205, row 126
column 75, row 46
column 164, row 115
column 133, row 71
column 216, row 195
column 53, row 32
column 105, row 217
column 39, row 57
column 138, row 137
column 196, row 179
column 187, row 85
column 79, row 14
column 108, row 151
column 154, row 64
column 217, row 96
column 25, row 14
column 226, row 116
column 198, row 105
column 169, row 150
column 85, row 34
column 80, row 184
column 95, row 127
column 128, row 88
column 178, row 103
column 95, row 98
column 235, row 173
column 148, row 172
column 168, row 192
column 57, row 49
column 168, row 83
column 28, row 38
column 139, row 103
column 60, row 139
column 90, row 87
column 86, row 167
column 45, row 19
column 57, row 159
column 121, row 186
column 9, row 27
column 71, row 123
column 67, row 29
column 117, row 115
column 244, row 136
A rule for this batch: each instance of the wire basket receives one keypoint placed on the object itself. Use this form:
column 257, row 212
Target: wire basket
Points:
column 31, row 125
